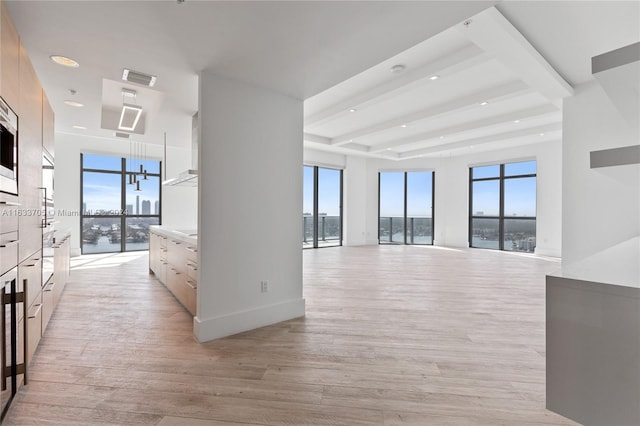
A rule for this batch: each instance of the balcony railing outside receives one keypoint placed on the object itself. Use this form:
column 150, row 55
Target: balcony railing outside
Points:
column 328, row 230
column 419, row 230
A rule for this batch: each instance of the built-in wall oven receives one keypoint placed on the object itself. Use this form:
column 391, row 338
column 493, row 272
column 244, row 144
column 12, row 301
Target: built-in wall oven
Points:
column 8, row 149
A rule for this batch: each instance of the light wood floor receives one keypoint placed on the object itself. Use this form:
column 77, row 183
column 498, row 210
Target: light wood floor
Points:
column 394, row 335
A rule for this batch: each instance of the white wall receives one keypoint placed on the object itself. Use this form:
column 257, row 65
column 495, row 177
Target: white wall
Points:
column 179, row 206
column 601, row 207
column 250, row 197
column 312, row 157
column 355, row 218
column 452, row 193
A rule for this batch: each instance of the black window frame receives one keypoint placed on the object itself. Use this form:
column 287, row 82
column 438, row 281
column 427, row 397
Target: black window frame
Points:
column 124, row 175
column 315, row 221
column 406, row 220
column 502, row 178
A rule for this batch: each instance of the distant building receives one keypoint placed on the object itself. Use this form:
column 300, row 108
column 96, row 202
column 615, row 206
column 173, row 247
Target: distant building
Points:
column 129, row 208
column 137, row 204
column 146, row 207
column 84, row 208
column 156, row 209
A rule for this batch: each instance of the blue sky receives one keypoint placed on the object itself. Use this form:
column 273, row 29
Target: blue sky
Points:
column 419, row 198
column 519, row 194
column 328, row 191
column 101, row 191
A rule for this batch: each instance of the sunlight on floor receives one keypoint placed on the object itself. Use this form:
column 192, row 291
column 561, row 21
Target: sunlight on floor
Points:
column 105, row 260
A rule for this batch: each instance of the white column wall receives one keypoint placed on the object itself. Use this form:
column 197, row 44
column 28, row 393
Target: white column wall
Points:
column 355, row 202
column 250, row 216
column 601, row 207
column 179, row 205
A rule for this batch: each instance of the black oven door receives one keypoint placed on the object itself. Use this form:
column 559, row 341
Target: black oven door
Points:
column 8, row 150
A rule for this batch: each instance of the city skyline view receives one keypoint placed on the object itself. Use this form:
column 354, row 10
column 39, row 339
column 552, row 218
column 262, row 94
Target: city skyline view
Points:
column 108, row 188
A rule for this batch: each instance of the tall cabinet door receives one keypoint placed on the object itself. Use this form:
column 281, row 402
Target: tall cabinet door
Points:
column 29, row 157
column 10, row 62
column 48, row 131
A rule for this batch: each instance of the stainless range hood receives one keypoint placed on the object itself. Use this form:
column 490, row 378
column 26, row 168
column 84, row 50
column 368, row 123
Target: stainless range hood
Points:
column 188, row 177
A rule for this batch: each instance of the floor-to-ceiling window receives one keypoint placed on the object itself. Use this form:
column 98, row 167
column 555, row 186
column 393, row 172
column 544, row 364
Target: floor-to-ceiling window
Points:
column 322, row 207
column 117, row 209
column 502, row 206
column 405, row 204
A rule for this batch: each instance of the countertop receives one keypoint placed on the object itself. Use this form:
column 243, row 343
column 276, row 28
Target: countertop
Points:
column 618, row 265
column 189, row 236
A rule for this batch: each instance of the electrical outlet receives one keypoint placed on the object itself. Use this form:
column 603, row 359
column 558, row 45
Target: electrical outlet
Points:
column 264, row 286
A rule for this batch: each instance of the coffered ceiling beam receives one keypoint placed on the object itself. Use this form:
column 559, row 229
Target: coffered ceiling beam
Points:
column 516, row 134
column 310, row 137
column 494, row 34
column 455, row 62
column 467, row 126
column 504, row 91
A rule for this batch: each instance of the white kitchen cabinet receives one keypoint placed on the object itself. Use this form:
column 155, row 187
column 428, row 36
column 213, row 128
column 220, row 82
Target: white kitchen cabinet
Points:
column 173, row 258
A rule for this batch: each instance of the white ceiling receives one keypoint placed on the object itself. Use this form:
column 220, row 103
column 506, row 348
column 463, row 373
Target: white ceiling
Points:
column 336, row 55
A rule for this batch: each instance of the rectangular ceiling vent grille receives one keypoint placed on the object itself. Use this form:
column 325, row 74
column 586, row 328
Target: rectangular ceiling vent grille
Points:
column 138, row 78
column 122, row 135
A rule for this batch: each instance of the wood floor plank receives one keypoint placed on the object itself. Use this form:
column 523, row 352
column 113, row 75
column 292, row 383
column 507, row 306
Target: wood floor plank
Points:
column 393, row 335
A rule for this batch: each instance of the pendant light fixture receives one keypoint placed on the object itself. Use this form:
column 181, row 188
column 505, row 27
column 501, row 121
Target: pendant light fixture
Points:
column 137, row 181
column 145, row 162
column 130, row 163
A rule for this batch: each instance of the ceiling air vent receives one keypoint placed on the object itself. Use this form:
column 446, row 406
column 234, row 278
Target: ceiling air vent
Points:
column 138, row 78
column 122, row 135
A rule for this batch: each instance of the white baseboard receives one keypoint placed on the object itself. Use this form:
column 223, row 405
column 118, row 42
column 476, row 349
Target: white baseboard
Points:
column 548, row 252
column 237, row 322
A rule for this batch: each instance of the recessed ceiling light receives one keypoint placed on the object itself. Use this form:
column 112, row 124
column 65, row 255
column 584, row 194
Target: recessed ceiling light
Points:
column 79, row 127
column 404, row 125
column 434, row 77
column 388, row 149
column 442, row 137
column 74, row 103
column 483, row 103
column 398, row 68
column 64, row 61
column 352, row 110
column 541, row 134
column 516, row 121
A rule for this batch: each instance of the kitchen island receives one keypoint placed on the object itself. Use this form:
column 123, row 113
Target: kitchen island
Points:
column 173, row 259
column 593, row 338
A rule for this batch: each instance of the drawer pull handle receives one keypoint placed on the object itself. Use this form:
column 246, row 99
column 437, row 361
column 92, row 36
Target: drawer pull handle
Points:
column 9, row 203
column 192, row 250
column 191, row 284
column 175, row 271
column 8, row 243
column 192, row 266
column 50, row 287
column 35, row 315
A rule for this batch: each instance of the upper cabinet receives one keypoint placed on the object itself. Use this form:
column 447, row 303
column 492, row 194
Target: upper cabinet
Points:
column 9, row 60
column 29, row 157
column 30, row 108
column 48, row 130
